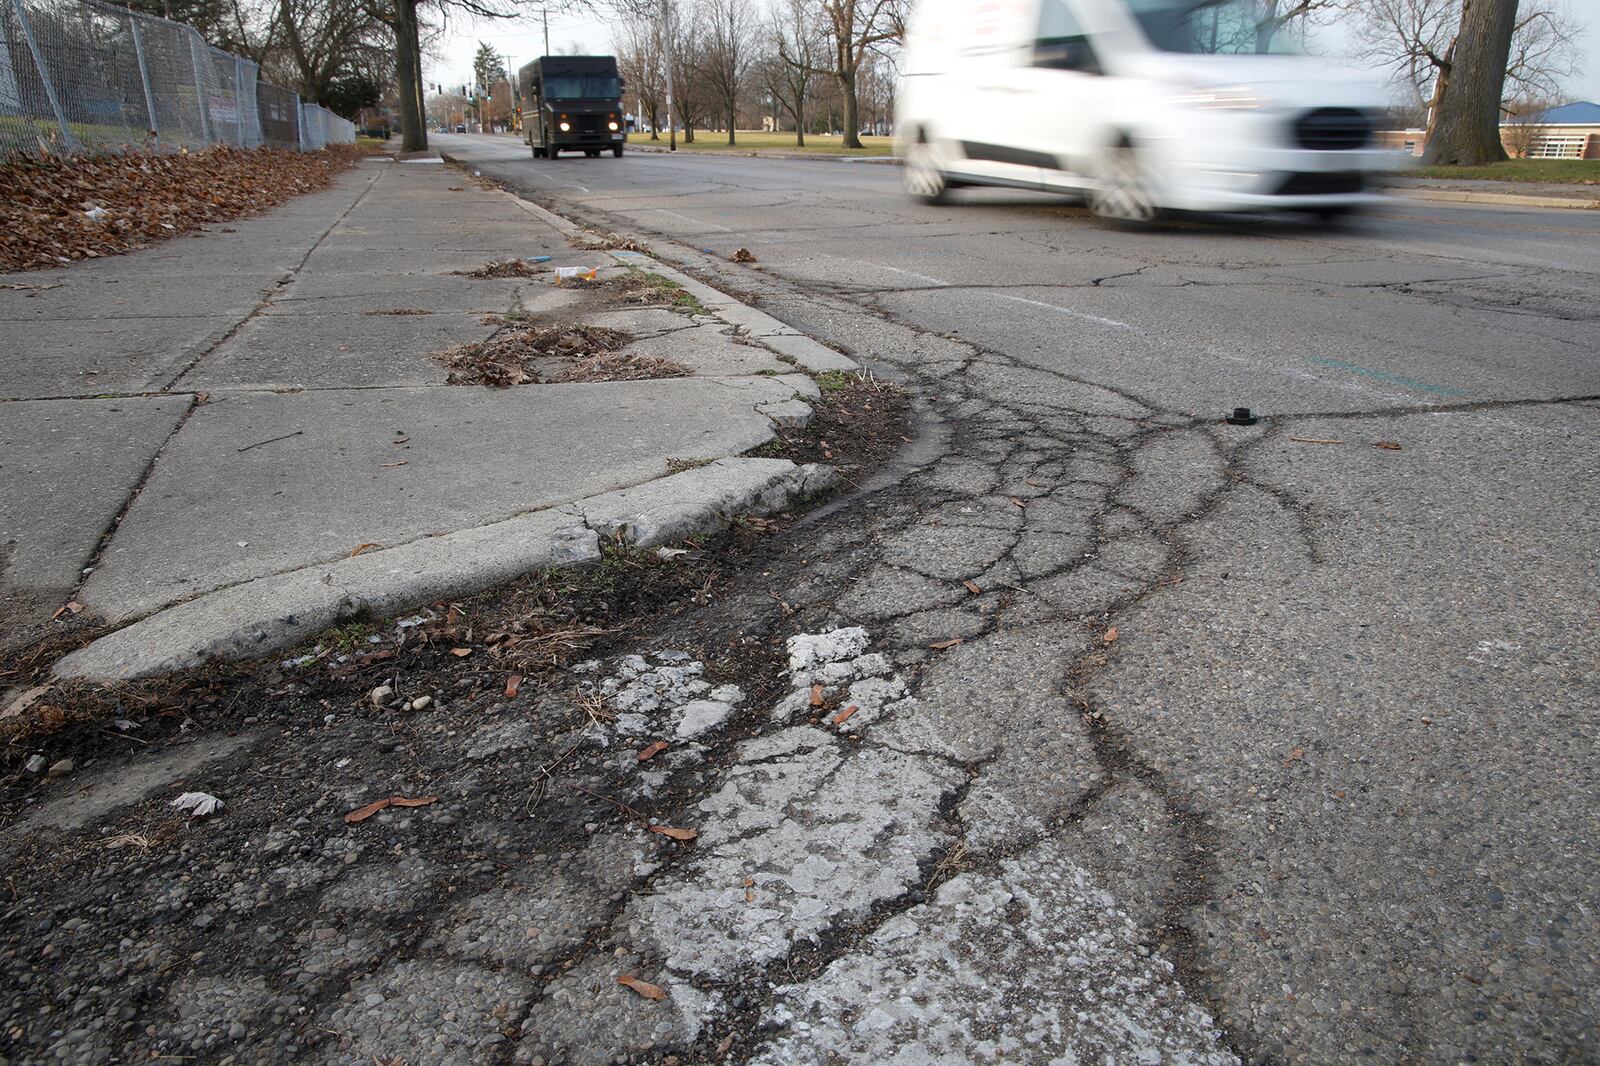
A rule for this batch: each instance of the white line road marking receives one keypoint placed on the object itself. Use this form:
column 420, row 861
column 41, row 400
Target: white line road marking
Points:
column 686, row 218
column 1065, row 311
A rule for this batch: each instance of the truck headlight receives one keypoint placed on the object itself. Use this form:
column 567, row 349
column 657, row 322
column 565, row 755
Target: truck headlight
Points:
column 566, row 127
column 614, row 127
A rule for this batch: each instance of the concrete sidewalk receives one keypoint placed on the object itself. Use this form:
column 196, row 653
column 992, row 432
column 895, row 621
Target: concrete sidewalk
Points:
column 192, row 435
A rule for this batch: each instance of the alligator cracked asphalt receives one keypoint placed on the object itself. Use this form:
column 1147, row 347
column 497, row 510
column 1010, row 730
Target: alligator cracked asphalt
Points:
column 1094, row 729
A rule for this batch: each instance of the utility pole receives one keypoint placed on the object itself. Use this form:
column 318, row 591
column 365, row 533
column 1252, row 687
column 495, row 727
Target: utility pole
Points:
column 666, row 50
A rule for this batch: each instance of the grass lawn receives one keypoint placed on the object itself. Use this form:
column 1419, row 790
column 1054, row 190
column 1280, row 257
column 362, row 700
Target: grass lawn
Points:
column 1564, row 170
column 708, row 141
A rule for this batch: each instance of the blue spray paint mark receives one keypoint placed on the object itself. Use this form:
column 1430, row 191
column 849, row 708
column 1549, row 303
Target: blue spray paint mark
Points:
column 1383, row 375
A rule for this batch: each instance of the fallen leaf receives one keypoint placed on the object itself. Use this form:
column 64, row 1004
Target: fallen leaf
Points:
column 844, row 715
column 972, row 587
column 941, row 645
column 513, row 683
column 652, row 751
column 361, row 814
column 743, row 255
column 1313, row 440
column 1111, row 635
column 1294, row 756
column 816, row 695
column 644, row 988
column 386, row 466
column 400, row 440
column 461, row 653
column 1388, row 445
column 70, row 607
column 908, row 440
column 675, row 834
column 1035, row 484
column 1019, row 503
column 202, row 397
column 364, row 548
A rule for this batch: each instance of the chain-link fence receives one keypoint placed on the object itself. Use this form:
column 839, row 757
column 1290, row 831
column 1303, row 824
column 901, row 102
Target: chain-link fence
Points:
column 81, row 75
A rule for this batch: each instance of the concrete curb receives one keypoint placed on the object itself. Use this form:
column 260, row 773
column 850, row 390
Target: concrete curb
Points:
column 271, row 613
column 1456, row 196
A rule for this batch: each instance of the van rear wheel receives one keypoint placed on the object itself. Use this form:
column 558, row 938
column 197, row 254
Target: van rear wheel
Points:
column 1122, row 194
column 923, row 178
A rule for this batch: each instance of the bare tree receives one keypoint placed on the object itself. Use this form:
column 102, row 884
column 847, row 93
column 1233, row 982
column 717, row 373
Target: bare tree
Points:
column 643, row 67
column 853, row 29
column 1418, row 41
column 325, row 39
column 789, row 76
column 686, row 50
column 1524, row 128
column 729, row 48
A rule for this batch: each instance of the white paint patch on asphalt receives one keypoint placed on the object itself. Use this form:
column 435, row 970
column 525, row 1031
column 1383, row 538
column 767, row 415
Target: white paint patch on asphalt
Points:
column 824, row 822
column 1065, row 311
column 1031, row 964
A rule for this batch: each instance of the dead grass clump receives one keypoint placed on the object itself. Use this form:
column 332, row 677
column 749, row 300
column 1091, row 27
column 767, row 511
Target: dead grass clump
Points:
column 503, row 268
column 595, row 240
column 550, row 354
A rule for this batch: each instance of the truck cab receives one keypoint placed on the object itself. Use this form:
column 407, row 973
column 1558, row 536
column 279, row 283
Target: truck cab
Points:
column 572, row 103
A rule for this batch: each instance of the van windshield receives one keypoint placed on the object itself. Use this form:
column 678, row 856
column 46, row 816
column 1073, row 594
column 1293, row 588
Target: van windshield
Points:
column 1211, row 27
column 582, row 87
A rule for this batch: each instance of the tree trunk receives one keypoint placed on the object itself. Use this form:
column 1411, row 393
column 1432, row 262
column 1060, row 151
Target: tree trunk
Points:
column 1467, row 119
column 800, row 124
column 733, row 118
column 847, row 89
column 407, row 63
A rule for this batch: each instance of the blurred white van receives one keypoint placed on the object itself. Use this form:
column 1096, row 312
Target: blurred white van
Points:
column 1138, row 105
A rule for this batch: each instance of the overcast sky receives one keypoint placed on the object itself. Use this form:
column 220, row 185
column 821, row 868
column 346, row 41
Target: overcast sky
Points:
column 521, row 40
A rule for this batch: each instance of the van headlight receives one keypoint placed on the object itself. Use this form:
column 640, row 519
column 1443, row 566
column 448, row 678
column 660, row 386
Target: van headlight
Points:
column 566, row 127
column 614, row 127
column 1222, row 97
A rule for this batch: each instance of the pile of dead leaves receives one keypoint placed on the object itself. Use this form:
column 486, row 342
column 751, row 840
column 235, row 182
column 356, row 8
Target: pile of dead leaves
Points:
column 595, row 240
column 504, row 268
column 62, row 209
column 533, row 355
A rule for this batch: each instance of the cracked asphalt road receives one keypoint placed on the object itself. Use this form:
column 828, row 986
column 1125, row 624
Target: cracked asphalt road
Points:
column 1314, row 699
column 1171, row 740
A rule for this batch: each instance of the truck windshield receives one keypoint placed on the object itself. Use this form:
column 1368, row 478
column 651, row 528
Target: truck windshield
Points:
column 582, row 87
column 1212, row 27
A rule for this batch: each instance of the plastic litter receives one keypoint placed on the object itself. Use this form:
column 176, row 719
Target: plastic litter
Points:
column 576, row 274
column 198, row 804
column 538, row 259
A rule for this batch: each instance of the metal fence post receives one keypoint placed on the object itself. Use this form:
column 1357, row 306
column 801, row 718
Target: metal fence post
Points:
column 44, row 76
column 144, row 76
column 200, row 94
column 238, row 98
column 299, row 125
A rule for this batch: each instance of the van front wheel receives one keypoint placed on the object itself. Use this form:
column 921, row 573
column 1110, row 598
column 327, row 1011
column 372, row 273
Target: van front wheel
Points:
column 923, row 178
column 1122, row 194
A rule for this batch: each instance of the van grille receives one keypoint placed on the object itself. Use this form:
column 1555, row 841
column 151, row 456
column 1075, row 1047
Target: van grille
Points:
column 1333, row 129
column 1339, row 183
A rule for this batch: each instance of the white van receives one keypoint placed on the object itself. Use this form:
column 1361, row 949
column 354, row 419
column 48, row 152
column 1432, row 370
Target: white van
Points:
column 1138, row 105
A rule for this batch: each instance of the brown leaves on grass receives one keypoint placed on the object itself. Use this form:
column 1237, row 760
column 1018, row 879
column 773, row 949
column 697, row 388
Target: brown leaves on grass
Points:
column 361, row 814
column 644, row 988
column 549, row 354
column 139, row 197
